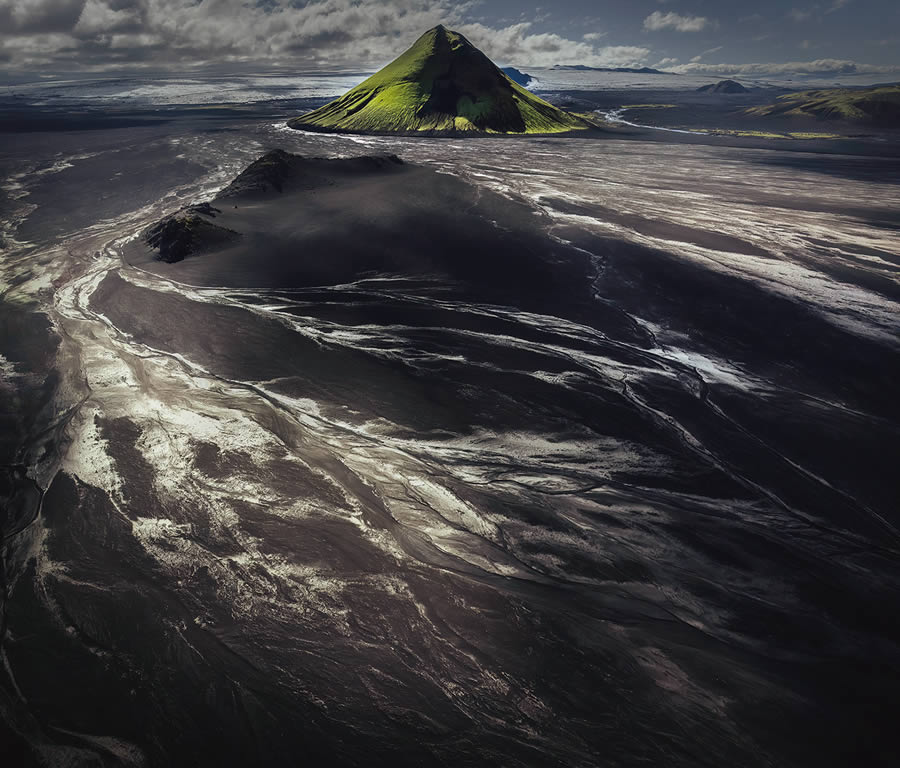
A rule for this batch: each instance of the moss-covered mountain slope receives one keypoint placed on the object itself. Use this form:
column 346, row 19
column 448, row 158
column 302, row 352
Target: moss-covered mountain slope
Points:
column 443, row 85
column 879, row 105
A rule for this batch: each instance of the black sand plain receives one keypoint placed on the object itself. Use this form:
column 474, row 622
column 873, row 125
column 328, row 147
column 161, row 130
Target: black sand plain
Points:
column 415, row 472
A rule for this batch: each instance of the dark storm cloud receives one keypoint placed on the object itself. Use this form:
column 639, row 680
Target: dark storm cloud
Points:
column 325, row 38
column 97, row 34
column 39, row 16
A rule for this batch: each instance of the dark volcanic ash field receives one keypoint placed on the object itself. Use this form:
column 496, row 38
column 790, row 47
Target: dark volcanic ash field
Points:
column 584, row 453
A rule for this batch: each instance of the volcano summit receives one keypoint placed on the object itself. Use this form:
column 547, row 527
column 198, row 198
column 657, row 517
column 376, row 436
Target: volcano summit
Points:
column 443, row 85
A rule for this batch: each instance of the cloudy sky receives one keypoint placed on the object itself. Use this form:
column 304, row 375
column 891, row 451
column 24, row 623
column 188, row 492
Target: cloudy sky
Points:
column 727, row 37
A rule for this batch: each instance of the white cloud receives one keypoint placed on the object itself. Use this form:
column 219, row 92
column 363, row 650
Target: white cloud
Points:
column 816, row 10
column 101, row 34
column 516, row 45
column 801, row 14
column 821, row 67
column 99, row 18
column 658, row 20
column 667, row 62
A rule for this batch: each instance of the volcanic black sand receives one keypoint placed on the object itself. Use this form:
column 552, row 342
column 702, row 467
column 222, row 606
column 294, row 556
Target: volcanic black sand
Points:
column 526, row 453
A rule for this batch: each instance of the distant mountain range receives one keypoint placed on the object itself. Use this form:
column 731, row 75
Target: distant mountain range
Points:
column 442, row 85
column 634, row 70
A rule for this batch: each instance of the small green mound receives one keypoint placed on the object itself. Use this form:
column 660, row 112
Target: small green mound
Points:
column 443, row 85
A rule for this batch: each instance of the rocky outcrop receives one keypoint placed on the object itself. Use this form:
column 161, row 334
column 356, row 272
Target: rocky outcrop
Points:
column 187, row 232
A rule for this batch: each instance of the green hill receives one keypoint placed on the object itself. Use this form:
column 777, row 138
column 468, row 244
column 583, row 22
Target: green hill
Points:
column 865, row 105
column 443, row 85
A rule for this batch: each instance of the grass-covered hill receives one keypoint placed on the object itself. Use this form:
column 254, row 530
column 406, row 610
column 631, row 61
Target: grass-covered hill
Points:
column 879, row 105
column 443, row 85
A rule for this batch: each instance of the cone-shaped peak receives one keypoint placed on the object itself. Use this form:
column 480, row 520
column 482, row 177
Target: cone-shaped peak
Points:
column 441, row 85
column 440, row 29
column 440, row 37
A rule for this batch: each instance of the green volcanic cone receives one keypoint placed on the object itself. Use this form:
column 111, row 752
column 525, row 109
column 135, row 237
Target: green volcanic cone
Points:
column 442, row 85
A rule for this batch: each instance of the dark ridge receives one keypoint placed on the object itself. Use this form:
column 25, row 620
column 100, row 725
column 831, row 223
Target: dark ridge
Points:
column 191, row 230
column 187, row 232
column 723, row 86
column 277, row 169
column 268, row 174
